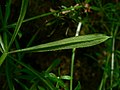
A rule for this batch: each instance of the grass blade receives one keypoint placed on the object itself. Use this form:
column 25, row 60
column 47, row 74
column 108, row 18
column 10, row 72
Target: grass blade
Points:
column 9, row 76
column 22, row 85
column 36, row 73
column 69, row 43
column 2, row 58
column 20, row 20
column 43, row 15
column 78, row 87
column 1, row 44
column 1, row 15
column 7, row 11
column 53, row 65
column 73, row 56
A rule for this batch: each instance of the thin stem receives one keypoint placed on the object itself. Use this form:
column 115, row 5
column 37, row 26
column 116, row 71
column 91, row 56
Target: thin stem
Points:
column 112, row 61
column 73, row 56
column 113, row 55
column 103, row 81
column 19, row 22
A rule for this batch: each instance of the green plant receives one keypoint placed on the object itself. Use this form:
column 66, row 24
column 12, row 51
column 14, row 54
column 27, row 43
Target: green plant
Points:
column 12, row 54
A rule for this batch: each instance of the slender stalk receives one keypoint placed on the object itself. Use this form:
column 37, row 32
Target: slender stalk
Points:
column 113, row 55
column 103, row 81
column 112, row 62
column 73, row 56
column 47, row 83
column 19, row 22
column 43, row 15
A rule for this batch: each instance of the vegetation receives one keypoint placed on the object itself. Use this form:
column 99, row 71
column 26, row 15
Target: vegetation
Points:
column 85, row 31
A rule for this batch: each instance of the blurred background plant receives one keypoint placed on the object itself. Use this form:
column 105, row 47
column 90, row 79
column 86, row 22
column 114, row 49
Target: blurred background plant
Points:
column 26, row 23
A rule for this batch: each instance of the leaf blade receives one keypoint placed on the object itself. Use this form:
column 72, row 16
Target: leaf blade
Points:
column 68, row 43
column 2, row 58
column 20, row 20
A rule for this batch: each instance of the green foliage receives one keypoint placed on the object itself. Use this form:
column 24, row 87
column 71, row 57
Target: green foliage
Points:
column 16, row 72
column 69, row 43
column 78, row 87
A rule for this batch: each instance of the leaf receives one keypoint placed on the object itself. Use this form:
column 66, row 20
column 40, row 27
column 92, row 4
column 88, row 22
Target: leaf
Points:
column 2, row 58
column 7, row 11
column 9, row 75
column 68, row 43
column 56, row 79
column 1, row 15
column 66, row 77
column 53, row 65
column 24, row 87
column 78, row 87
column 1, row 44
column 20, row 20
column 95, row 8
column 47, row 83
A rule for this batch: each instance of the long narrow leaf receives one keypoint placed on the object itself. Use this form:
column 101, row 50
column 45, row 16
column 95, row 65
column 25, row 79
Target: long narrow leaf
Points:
column 21, row 84
column 20, row 20
column 36, row 73
column 2, row 58
column 9, row 75
column 1, row 15
column 1, row 44
column 4, row 22
column 7, row 11
column 43, row 15
column 78, row 87
column 69, row 43
column 53, row 65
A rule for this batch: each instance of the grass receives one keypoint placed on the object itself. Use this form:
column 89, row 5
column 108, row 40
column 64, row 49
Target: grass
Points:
column 27, row 78
column 73, row 57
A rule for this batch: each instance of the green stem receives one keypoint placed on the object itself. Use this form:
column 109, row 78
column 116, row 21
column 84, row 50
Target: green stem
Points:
column 42, row 79
column 19, row 22
column 73, row 56
column 72, row 68
column 113, row 55
column 105, row 74
column 112, row 62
